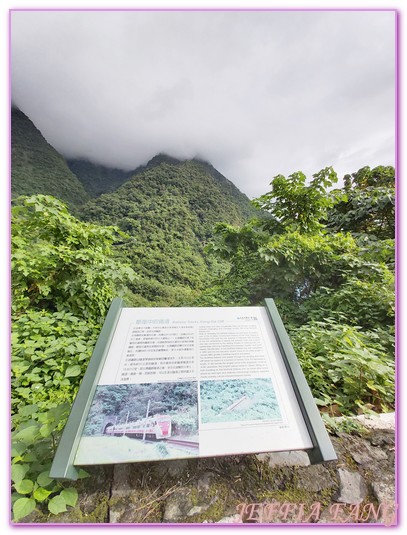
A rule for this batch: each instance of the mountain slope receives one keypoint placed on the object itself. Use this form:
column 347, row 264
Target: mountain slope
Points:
column 169, row 208
column 98, row 179
column 36, row 167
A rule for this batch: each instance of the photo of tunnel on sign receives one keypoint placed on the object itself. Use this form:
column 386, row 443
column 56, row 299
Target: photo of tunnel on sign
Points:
column 138, row 422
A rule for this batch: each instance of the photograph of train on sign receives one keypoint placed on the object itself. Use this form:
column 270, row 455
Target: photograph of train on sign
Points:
column 141, row 422
column 238, row 400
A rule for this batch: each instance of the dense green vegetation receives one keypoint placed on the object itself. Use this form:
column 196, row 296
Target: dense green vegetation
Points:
column 327, row 258
column 98, row 179
column 65, row 273
column 169, row 208
column 36, row 167
column 64, row 277
column 257, row 400
column 184, row 235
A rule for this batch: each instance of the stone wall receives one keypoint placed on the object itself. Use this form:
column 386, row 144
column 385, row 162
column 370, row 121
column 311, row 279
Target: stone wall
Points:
column 266, row 488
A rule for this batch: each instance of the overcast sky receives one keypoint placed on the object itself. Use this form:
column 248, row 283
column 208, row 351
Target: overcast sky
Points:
column 255, row 93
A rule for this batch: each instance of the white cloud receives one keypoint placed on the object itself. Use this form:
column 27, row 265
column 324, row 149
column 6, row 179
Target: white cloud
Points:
column 255, row 93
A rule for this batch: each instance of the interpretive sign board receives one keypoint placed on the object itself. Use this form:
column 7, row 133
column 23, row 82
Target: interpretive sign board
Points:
column 172, row 383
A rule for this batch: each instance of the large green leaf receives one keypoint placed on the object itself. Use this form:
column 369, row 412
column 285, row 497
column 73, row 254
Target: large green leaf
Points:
column 70, row 495
column 27, row 435
column 41, row 494
column 18, row 472
column 57, row 504
column 23, row 507
column 73, row 371
column 25, row 486
column 44, row 480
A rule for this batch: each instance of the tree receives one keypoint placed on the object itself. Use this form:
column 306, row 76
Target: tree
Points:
column 369, row 205
column 297, row 207
column 293, row 255
column 327, row 281
column 60, row 263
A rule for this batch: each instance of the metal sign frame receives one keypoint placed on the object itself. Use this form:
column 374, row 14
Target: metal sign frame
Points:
column 63, row 464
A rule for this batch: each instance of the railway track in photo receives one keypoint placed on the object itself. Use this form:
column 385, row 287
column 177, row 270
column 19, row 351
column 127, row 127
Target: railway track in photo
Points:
column 194, row 446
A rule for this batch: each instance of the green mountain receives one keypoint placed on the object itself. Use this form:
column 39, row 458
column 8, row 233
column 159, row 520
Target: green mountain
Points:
column 36, row 167
column 98, row 179
column 169, row 208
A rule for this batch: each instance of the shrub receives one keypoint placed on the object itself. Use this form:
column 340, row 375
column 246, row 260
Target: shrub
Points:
column 347, row 366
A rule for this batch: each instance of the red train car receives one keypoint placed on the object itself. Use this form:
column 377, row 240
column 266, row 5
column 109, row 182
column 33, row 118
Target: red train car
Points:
column 155, row 427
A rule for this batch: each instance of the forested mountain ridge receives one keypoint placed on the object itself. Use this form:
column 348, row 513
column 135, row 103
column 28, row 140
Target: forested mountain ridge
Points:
column 36, row 167
column 210, row 194
column 97, row 179
column 169, row 209
column 189, row 237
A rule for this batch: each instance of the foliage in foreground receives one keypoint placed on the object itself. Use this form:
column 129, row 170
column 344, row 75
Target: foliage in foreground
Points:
column 60, row 263
column 347, row 367
column 63, row 279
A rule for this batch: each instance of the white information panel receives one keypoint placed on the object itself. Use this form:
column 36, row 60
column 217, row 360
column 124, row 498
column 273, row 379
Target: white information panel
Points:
column 182, row 382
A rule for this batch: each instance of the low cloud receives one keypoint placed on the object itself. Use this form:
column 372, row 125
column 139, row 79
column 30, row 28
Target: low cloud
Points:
column 254, row 93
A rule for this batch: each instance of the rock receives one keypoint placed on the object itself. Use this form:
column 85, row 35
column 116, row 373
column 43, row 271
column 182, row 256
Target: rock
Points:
column 368, row 513
column 372, row 421
column 180, row 505
column 384, row 491
column 204, row 481
column 382, row 438
column 232, row 519
column 177, row 505
column 334, row 516
column 363, row 454
column 285, row 458
column 136, row 497
column 196, row 510
column 374, row 453
column 360, row 449
column 314, row 478
column 378, row 421
column 173, row 468
column 115, row 514
column 338, row 445
column 120, row 502
column 352, row 487
column 121, row 482
column 34, row 517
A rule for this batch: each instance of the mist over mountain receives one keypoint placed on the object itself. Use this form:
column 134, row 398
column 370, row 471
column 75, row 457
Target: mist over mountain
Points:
column 167, row 208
